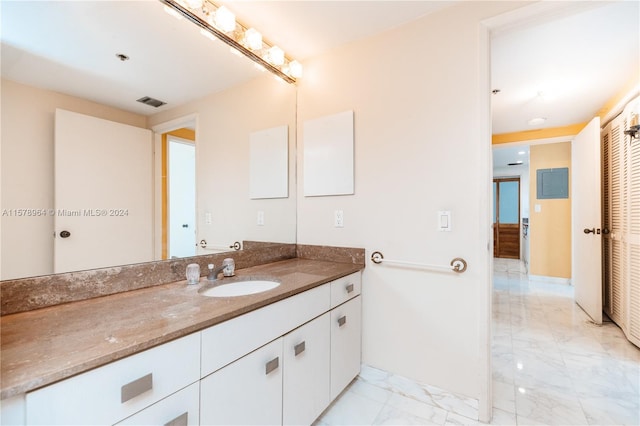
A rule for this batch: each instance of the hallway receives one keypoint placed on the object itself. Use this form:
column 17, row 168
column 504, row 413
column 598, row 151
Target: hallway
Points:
column 551, row 365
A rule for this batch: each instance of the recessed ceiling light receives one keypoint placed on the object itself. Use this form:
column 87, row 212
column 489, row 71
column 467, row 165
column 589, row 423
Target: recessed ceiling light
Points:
column 537, row 121
column 522, row 152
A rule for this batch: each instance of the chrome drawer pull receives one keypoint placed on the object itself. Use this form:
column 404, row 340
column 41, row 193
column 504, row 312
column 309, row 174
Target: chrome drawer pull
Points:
column 181, row 420
column 349, row 288
column 299, row 348
column 342, row 321
column 137, row 387
column 272, row 365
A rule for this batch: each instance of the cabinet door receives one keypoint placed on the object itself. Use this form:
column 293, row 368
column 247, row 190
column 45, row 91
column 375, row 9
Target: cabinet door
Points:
column 345, row 344
column 245, row 392
column 306, row 372
column 179, row 409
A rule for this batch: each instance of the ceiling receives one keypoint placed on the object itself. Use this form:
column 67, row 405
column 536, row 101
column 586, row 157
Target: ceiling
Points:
column 560, row 66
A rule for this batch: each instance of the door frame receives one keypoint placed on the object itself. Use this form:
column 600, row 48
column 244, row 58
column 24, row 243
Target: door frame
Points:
column 169, row 138
column 496, row 231
column 159, row 144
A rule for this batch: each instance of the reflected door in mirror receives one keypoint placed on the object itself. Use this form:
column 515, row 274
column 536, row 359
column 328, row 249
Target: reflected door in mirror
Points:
column 103, row 193
column 182, row 197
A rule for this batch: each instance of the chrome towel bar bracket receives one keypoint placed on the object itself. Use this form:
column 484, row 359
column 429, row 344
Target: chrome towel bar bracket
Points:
column 458, row 264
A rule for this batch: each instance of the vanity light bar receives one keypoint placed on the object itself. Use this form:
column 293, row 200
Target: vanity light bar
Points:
column 198, row 17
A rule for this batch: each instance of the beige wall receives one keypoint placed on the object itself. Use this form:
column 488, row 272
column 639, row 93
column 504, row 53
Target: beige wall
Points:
column 421, row 145
column 27, row 171
column 550, row 229
column 224, row 122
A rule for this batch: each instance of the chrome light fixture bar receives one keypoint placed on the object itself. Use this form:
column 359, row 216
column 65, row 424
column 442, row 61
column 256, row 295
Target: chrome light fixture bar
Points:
column 267, row 56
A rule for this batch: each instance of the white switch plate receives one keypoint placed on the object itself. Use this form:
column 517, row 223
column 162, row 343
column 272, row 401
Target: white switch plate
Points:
column 538, row 208
column 260, row 219
column 444, row 220
column 208, row 218
column 338, row 219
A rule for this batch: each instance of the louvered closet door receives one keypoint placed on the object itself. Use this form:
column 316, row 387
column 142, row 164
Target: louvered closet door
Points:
column 607, row 296
column 614, row 276
column 621, row 212
column 633, row 233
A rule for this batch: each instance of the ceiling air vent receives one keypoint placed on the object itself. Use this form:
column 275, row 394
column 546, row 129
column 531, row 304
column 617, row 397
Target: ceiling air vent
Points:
column 151, row 101
column 517, row 163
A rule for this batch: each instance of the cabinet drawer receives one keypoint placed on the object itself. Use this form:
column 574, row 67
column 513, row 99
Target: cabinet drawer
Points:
column 228, row 341
column 115, row 391
column 346, row 322
column 179, row 409
column 345, row 288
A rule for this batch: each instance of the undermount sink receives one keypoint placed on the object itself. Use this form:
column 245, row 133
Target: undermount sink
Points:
column 240, row 288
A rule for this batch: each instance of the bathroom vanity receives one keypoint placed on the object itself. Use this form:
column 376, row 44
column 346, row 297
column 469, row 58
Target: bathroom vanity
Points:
column 167, row 354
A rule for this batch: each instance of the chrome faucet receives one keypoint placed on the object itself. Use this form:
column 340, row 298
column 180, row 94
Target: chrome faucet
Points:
column 213, row 271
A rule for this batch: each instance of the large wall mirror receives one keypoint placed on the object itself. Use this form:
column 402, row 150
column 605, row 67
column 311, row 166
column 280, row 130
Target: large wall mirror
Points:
column 94, row 60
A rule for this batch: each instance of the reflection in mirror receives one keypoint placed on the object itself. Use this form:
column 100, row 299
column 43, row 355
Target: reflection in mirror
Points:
column 49, row 64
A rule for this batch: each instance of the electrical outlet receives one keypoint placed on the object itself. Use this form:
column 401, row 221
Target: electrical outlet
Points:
column 338, row 219
column 208, row 218
column 260, row 220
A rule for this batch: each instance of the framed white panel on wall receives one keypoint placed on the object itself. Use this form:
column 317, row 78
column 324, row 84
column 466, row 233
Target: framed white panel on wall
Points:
column 328, row 155
column 268, row 163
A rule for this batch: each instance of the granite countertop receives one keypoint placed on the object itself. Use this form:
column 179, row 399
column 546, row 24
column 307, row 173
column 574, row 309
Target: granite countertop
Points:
column 46, row 345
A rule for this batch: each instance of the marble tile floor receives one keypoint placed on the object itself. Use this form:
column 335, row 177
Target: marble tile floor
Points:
column 551, row 366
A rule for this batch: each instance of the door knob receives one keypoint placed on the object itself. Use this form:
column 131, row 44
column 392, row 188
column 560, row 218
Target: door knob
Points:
column 589, row 231
column 65, row 234
column 185, row 225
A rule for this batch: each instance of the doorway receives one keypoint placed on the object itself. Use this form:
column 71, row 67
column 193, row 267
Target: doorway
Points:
column 181, row 196
column 506, row 218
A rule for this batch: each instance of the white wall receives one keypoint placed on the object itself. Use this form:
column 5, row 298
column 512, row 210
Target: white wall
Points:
column 224, row 122
column 422, row 144
column 27, row 171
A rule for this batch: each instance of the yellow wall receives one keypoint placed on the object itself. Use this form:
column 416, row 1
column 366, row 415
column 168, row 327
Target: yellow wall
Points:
column 550, row 229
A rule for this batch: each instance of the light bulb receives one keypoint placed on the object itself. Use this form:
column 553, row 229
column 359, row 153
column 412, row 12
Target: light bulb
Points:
column 253, row 39
column 225, row 19
column 194, row 4
column 276, row 56
column 295, row 69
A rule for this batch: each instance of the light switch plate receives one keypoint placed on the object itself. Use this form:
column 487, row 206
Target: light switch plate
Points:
column 444, row 220
column 260, row 219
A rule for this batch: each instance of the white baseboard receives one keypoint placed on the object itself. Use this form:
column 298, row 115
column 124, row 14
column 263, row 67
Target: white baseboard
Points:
column 552, row 280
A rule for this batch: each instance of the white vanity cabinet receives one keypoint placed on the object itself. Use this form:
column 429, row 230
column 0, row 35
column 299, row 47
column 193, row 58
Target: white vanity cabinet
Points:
column 346, row 347
column 280, row 364
column 246, row 392
column 180, row 409
column 111, row 393
column 306, row 372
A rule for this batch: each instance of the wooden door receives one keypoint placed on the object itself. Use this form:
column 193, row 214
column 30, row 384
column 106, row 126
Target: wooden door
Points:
column 506, row 218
